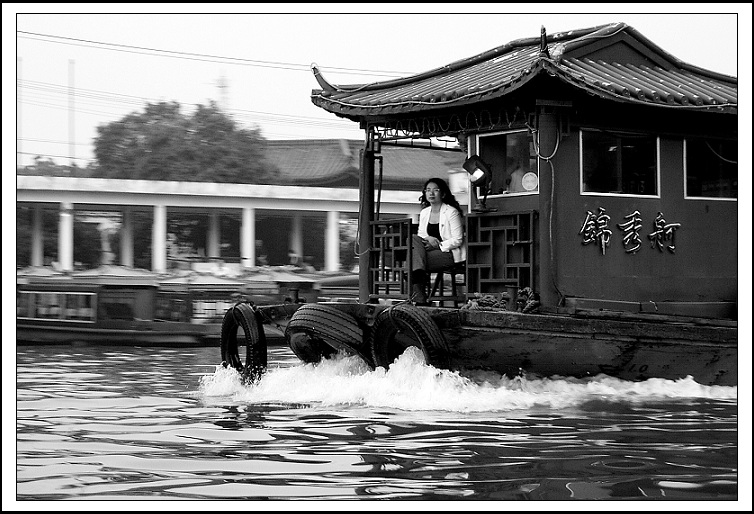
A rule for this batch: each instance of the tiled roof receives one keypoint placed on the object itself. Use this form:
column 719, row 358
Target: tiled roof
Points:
column 312, row 161
column 400, row 160
column 648, row 75
column 335, row 162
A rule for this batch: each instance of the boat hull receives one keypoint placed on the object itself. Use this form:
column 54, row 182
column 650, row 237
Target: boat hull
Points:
column 147, row 333
column 514, row 343
column 511, row 343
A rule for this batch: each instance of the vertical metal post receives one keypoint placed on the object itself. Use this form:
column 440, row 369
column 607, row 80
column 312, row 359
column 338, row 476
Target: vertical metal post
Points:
column 547, row 122
column 366, row 215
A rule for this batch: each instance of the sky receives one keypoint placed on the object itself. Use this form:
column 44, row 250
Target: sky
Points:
column 76, row 72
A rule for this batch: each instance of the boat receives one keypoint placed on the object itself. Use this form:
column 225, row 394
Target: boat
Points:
column 120, row 305
column 108, row 305
column 601, row 222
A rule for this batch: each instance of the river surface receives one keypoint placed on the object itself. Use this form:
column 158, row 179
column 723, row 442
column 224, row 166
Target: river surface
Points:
column 131, row 424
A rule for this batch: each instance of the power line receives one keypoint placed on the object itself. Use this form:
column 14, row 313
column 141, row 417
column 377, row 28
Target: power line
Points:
column 85, row 107
column 196, row 56
column 90, row 102
column 37, row 154
column 53, row 141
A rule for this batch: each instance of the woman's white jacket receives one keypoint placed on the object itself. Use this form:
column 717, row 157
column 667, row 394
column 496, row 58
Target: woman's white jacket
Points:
column 451, row 230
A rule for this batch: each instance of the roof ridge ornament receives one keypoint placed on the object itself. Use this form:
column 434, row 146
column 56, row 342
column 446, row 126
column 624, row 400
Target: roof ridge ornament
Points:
column 543, row 50
column 321, row 80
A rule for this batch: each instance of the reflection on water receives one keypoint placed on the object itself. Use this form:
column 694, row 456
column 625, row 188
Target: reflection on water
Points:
column 161, row 423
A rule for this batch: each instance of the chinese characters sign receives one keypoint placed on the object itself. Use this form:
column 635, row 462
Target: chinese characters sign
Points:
column 595, row 230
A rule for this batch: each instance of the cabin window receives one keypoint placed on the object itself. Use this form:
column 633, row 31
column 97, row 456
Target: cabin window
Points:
column 172, row 307
column 80, row 306
column 711, row 168
column 119, row 306
column 70, row 306
column 47, row 305
column 619, row 163
column 207, row 309
column 513, row 161
column 24, row 304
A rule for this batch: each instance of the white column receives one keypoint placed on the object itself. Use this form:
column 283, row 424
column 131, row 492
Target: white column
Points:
column 295, row 238
column 127, row 238
column 213, row 235
column 37, row 237
column 159, row 239
column 65, row 237
column 248, row 237
column 332, row 242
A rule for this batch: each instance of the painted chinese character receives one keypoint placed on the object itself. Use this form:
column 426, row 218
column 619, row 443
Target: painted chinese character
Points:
column 594, row 230
column 631, row 228
column 664, row 232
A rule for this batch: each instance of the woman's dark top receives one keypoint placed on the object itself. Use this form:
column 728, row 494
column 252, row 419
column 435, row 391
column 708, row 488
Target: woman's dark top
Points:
column 433, row 229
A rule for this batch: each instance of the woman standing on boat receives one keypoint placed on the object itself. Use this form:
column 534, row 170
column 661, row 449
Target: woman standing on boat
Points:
column 439, row 243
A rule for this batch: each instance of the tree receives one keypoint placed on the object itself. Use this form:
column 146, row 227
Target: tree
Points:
column 45, row 166
column 163, row 144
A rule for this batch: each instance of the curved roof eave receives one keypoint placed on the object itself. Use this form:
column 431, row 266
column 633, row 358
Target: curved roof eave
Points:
column 486, row 77
column 357, row 112
column 606, row 91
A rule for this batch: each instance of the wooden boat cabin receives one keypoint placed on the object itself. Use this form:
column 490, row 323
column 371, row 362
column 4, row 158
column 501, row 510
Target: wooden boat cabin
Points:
column 98, row 306
column 130, row 305
column 611, row 176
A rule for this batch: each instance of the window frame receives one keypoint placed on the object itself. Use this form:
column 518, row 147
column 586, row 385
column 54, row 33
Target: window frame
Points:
column 618, row 133
column 686, row 195
column 507, row 133
column 33, row 301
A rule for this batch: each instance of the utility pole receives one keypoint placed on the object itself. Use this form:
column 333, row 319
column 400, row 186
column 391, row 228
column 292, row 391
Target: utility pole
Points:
column 18, row 112
column 222, row 85
column 71, row 110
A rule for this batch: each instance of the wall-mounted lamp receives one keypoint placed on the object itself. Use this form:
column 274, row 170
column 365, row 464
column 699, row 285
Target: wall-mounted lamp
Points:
column 480, row 176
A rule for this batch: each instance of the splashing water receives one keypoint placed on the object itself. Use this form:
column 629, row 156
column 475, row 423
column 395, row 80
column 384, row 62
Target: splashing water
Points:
column 410, row 384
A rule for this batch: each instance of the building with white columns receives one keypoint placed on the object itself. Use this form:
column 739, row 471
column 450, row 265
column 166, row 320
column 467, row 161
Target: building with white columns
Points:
column 282, row 217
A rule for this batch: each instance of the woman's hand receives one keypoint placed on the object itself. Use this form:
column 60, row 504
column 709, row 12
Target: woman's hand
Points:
column 431, row 242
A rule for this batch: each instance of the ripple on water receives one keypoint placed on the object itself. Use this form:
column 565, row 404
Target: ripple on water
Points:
column 150, row 423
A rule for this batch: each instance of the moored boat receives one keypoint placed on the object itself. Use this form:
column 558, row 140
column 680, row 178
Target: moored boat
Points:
column 120, row 305
column 602, row 223
column 97, row 308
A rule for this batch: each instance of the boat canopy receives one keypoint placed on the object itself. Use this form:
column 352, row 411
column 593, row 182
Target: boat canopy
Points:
column 613, row 62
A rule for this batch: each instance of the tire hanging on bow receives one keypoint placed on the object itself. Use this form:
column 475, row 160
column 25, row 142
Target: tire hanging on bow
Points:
column 400, row 326
column 244, row 316
column 317, row 331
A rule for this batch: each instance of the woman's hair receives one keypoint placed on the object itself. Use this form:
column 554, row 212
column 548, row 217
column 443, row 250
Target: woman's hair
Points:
column 445, row 194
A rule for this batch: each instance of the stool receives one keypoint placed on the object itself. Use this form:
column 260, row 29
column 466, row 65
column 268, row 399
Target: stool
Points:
column 438, row 287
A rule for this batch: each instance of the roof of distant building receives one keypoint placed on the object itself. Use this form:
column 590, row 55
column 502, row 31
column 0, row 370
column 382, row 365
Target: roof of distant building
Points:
column 335, row 163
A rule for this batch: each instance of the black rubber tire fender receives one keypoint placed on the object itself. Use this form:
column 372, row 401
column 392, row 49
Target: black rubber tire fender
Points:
column 400, row 326
column 244, row 316
column 316, row 331
column 229, row 341
column 307, row 349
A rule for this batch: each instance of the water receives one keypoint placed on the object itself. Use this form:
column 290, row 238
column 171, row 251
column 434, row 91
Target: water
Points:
column 122, row 424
